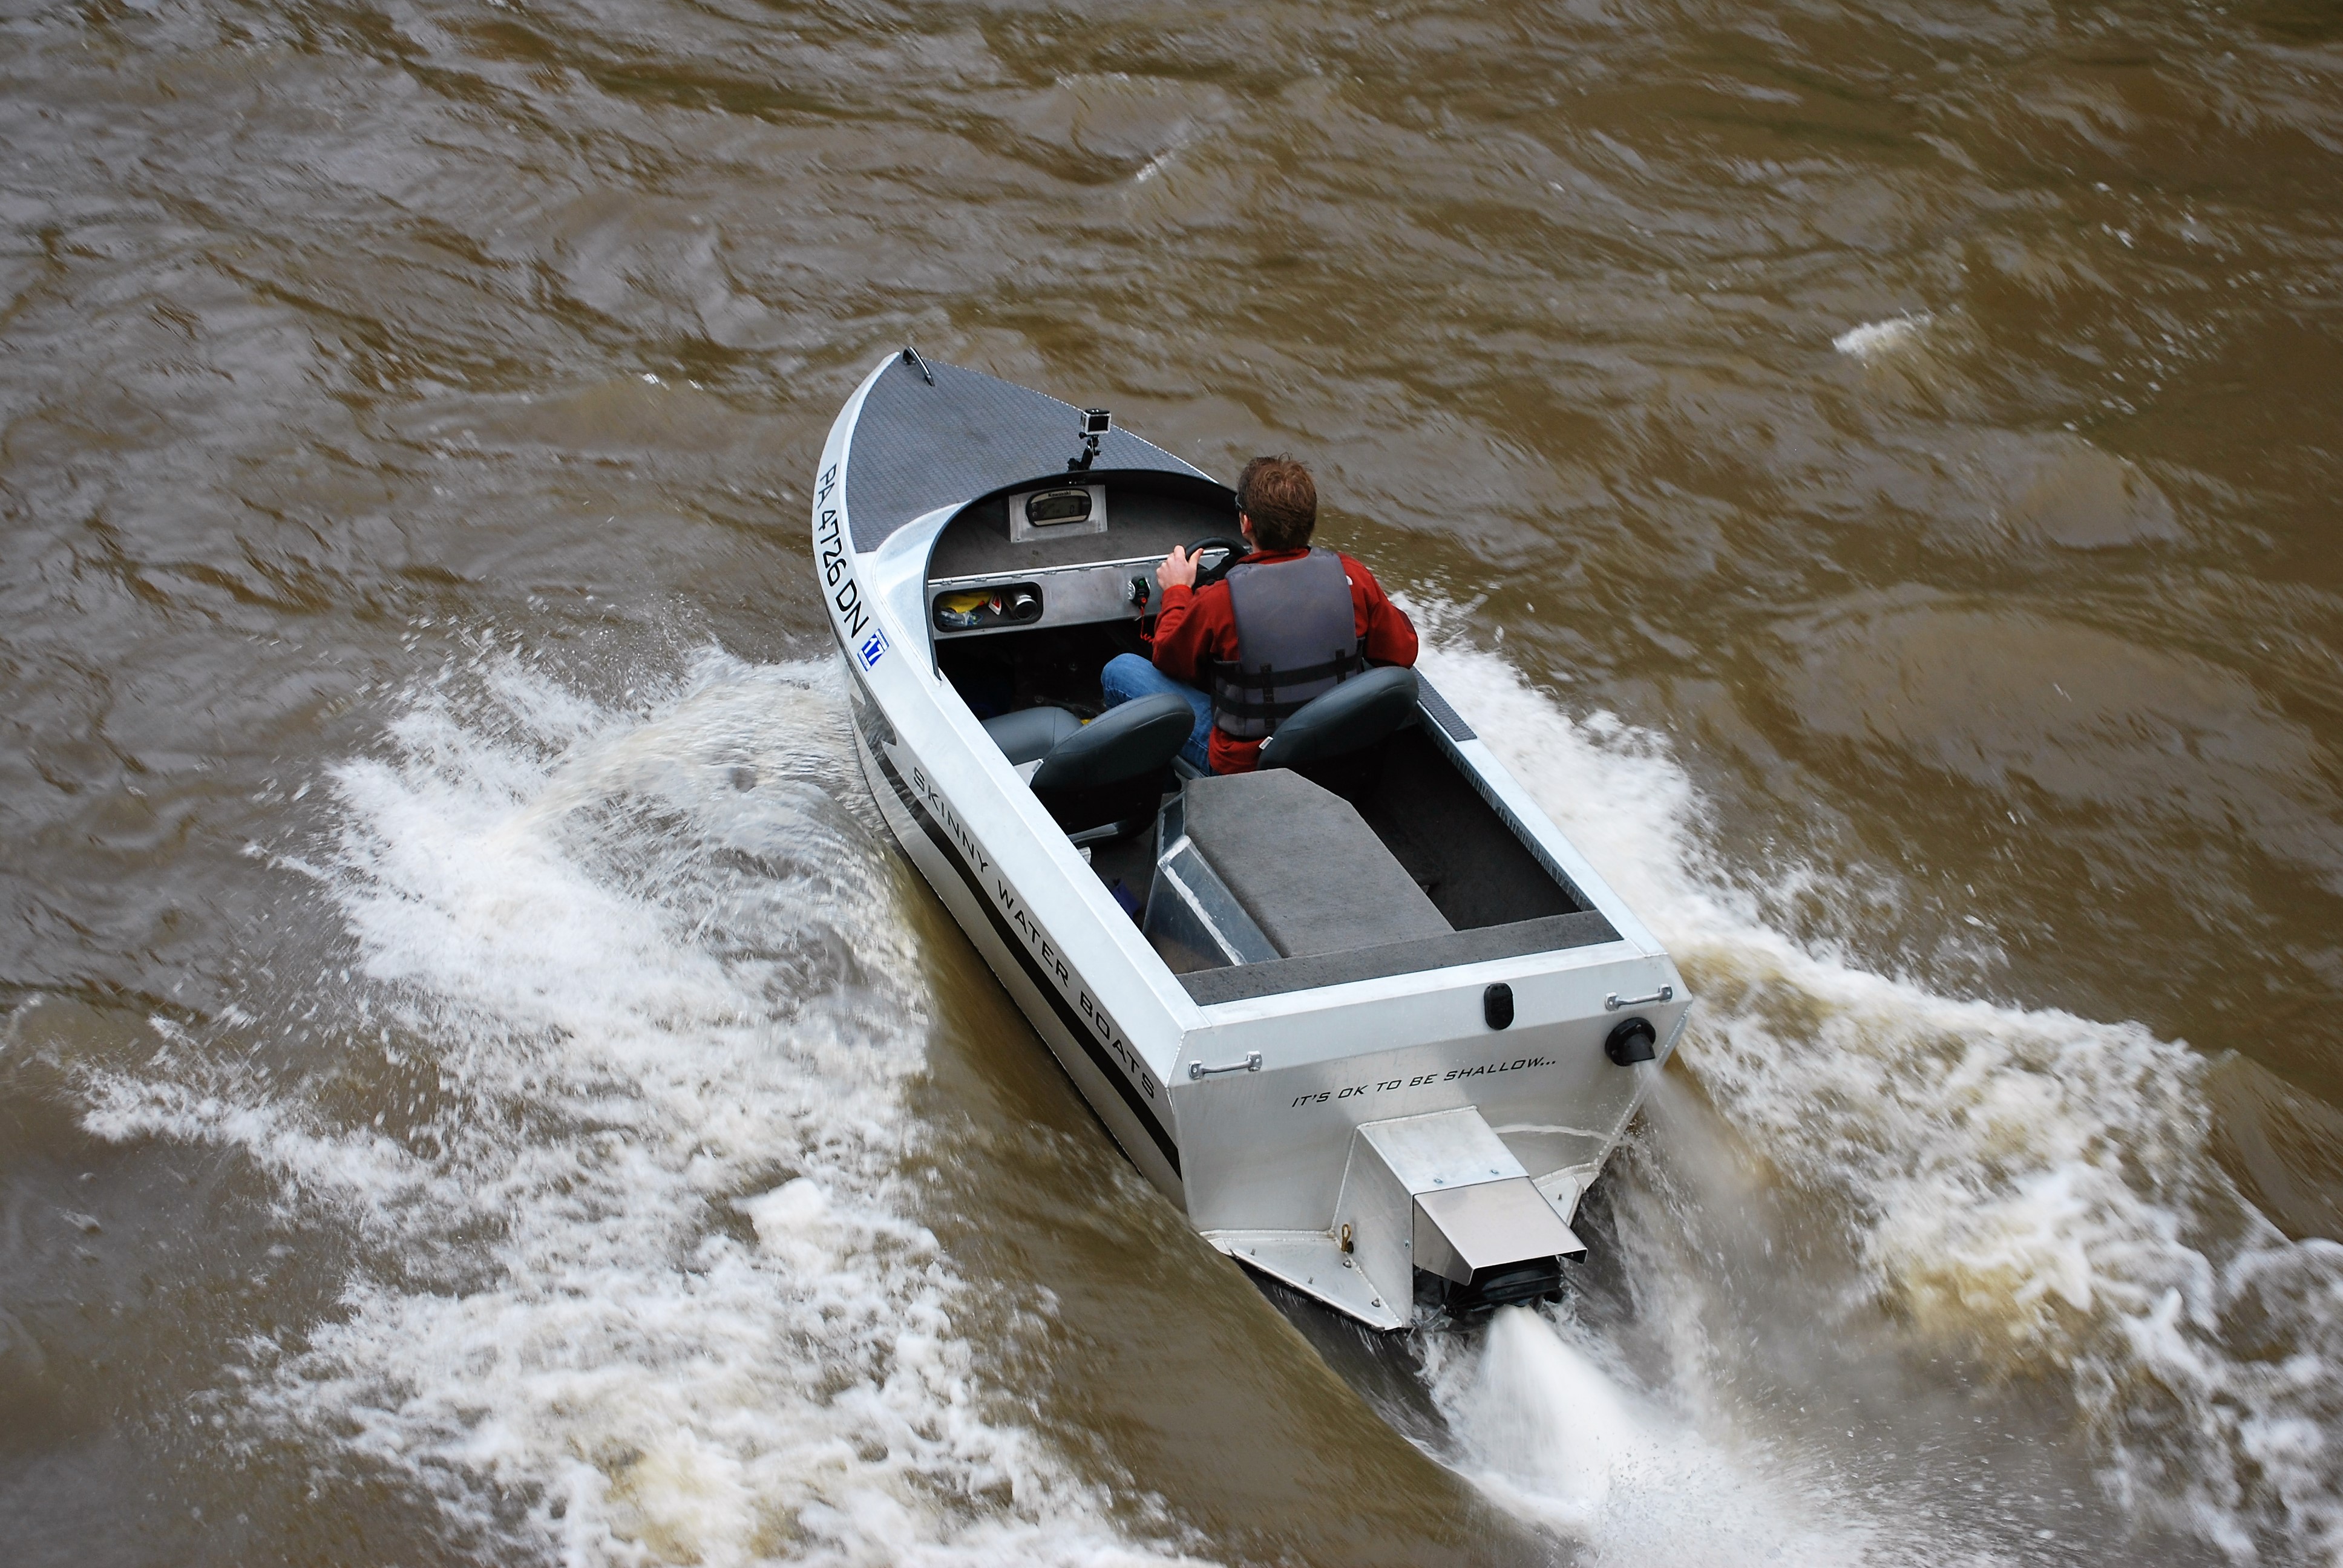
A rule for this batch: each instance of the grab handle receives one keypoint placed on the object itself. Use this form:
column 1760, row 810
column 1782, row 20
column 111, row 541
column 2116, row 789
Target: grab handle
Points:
column 1251, row 1063
column 1614, row 1001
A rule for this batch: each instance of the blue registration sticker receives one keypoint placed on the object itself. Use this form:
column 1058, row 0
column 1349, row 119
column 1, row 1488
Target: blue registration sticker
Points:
column 874, row 648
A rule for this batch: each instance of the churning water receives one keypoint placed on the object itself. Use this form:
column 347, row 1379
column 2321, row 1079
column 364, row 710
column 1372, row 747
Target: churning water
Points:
column 640, row 1270
column 2029, row 1194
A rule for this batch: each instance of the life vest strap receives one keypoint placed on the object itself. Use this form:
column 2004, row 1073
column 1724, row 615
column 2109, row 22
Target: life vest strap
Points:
column 1255, row 696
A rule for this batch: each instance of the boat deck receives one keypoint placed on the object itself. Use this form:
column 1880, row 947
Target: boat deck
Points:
column 922, row 443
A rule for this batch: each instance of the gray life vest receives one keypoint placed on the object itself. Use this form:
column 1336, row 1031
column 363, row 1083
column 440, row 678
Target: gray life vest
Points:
column 1297, row 636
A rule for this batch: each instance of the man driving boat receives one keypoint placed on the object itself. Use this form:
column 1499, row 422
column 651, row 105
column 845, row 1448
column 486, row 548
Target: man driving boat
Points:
column 1283, row 626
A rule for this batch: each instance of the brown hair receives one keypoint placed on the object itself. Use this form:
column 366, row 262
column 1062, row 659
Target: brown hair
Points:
column 1277, row 494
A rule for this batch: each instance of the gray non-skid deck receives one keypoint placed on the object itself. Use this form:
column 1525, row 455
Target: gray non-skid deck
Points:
column 917, row 447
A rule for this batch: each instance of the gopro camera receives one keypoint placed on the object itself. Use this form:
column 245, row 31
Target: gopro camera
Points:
column 1096, row 423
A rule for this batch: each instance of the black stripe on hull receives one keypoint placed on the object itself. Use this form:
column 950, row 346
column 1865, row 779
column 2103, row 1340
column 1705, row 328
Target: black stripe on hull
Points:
column 1074, row 1021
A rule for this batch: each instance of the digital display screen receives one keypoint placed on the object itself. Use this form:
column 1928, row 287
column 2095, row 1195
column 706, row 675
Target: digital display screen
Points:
column 1058, row 511
column 1057, row 507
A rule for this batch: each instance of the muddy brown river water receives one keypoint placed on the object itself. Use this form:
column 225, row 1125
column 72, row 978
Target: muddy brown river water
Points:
column 477, row 1085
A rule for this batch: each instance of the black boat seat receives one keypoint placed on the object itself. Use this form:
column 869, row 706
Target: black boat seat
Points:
column 1027, row 735
column 1135, row 740
column 1101, row 780
column 1352, row 716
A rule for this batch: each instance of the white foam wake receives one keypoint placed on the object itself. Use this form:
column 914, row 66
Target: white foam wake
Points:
column 2033, row 1187
column 1874, row 339
column 644, row 1278
column 1563, row 1438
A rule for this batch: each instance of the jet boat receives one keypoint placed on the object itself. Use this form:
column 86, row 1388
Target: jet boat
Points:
column 1364, row 1015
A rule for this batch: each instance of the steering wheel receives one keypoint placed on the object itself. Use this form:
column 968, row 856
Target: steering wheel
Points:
column 1232, row 552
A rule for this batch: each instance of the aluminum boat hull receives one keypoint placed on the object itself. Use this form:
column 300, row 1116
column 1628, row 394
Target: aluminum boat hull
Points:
column 1246, row 1112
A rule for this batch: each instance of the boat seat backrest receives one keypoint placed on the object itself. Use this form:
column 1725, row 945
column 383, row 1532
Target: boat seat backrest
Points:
column 1352, row 716
column 1027, row 735
column 1135, row 740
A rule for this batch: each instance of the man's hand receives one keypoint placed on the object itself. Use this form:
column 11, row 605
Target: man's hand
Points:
column 1178, row 570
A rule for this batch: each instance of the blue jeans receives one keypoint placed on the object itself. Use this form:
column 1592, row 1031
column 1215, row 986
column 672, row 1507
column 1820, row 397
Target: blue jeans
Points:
column 1127, row 676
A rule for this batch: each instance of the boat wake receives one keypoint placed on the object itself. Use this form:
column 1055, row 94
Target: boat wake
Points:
column 641, row 1277
column 613, row 1101
column 1851, row 1174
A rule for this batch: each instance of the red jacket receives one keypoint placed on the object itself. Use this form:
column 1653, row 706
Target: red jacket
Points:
column 1196, row 629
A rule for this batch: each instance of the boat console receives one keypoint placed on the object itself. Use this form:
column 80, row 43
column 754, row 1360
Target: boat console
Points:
column 1074, row 554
